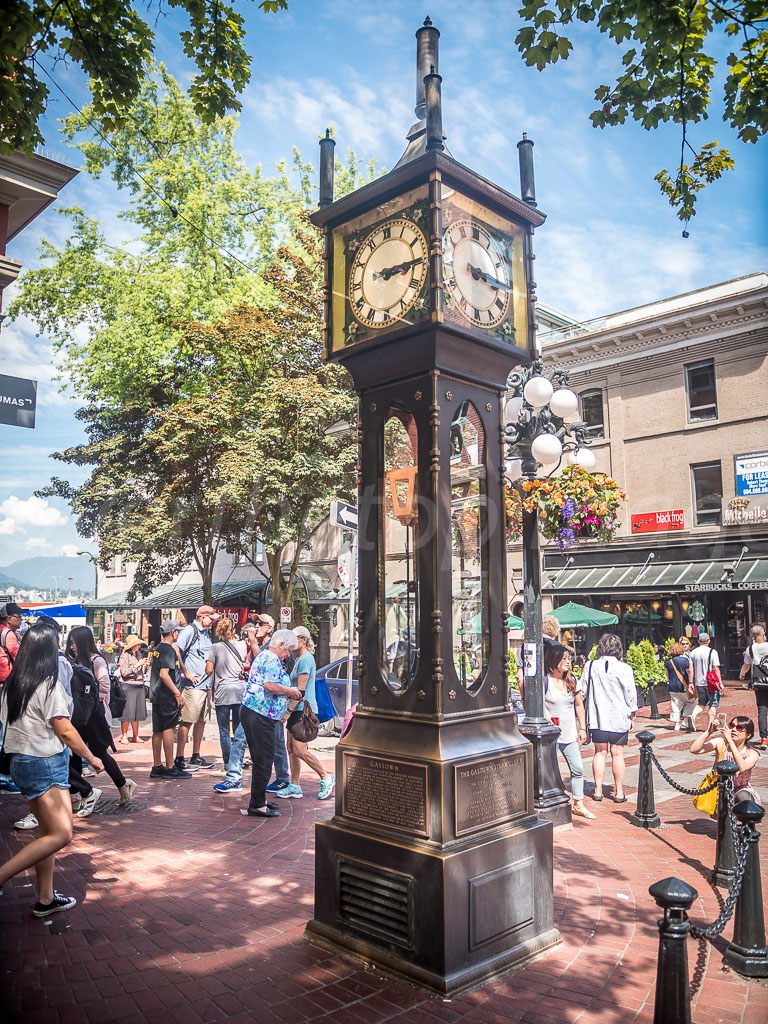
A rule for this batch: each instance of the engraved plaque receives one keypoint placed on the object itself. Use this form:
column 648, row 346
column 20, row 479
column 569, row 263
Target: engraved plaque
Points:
column 491, row 791
column 385, row 791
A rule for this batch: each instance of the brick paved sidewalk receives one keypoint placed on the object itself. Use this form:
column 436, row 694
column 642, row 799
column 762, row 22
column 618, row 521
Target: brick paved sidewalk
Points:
column 191, row 912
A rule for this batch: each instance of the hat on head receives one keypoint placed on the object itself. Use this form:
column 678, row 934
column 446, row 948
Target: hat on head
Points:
column 703, row 636
column 132, row 641
column 267, row 620
column 169, row 626
column 302, row 631
column 205, row 609
column 11, row 608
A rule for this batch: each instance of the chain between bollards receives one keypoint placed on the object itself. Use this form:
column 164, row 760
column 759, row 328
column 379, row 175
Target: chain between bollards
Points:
column 673, row 998
column 747, row 954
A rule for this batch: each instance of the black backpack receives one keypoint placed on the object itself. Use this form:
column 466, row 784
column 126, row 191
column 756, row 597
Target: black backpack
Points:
column 85, row 696
column 117, row 695
column 761, row 666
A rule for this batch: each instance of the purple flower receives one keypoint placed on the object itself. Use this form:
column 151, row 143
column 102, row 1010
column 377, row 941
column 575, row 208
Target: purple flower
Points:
column 569, row 509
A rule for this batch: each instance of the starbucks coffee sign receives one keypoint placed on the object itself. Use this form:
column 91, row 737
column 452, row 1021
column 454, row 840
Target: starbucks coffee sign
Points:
column 743, row 511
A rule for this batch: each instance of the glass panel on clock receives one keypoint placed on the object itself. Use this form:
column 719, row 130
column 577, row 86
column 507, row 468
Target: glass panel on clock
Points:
column 380, row 275
column 399, row 579
column 469, row 561
column 483, row 269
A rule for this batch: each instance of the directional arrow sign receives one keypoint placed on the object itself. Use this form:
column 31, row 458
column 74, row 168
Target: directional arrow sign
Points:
column 343, row 515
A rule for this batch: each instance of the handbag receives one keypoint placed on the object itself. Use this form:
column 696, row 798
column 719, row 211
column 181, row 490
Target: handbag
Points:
column 303, row 724
column 707, row 802
column 713, row 682
column 325, row 709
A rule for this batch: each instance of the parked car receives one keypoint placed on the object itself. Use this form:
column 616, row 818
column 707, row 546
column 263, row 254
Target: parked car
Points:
column 335, row 676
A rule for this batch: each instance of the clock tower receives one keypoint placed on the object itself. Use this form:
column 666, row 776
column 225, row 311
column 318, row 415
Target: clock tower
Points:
column 435, row 864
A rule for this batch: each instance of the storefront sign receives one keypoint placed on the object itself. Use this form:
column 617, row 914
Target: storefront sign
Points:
column 751, row 473
column 18, row 401
column 738, row 511
column 655, row 522
column 236, row 616
column 701, row 587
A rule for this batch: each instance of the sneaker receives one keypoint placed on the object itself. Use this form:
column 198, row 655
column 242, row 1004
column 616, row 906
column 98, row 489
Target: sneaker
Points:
column 29, row 822
column 228, row 787
column 177, row 772
column 85, row 809
column 159, row 771
column 199, row 762
column 58, row 902
column 76, row 800
column 327, row 786
column 87, row 771
column 289, row 791
column 8, row 786
column 274, row 786
column 185, row 766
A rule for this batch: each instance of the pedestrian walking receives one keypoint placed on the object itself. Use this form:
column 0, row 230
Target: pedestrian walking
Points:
column 564, row 707
column 611, row 703
column 35, row 713
column 10, row 621
column 732, row 741
column 265, row 701
column 303, row 678
column 682, row 692
column 194, row 642
column 224, row 663
column 756, row 659
column 167, row 701
column 706, row 675
column 132, row 669
column 84, row 655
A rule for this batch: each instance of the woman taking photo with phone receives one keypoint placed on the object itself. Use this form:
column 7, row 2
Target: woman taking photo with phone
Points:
column 35, row 712
column 563, row 705
column 732, row 742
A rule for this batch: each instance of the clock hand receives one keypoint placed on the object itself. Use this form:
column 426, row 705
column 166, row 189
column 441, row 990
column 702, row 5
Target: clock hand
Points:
column 494, row 282
column 399, row 268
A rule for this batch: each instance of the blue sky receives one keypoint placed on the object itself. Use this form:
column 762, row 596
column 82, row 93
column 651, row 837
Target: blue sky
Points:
column 610, row 241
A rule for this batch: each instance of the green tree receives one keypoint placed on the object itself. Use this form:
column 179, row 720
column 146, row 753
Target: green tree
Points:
column 113, row 45
column 668, row 57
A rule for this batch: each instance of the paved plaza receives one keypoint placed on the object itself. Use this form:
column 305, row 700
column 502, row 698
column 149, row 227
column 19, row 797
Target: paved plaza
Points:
column 191, row 912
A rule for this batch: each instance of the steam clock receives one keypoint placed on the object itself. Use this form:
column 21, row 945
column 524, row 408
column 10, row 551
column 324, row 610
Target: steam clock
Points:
column 435, row 864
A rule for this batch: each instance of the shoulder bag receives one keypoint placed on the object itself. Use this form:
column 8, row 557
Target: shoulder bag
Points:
column 713, row 682
column 707, row 802
column 325, row 709
column 303, row 724
column 689, row 690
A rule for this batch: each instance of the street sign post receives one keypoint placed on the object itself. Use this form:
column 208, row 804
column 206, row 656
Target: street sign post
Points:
column 285, row 614
column 18, row 402
column 343, row 515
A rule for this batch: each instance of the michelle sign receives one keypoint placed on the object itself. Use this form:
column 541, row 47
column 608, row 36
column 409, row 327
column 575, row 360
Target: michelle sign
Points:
column 18, row 401
column 751, row 473
column 655, row 522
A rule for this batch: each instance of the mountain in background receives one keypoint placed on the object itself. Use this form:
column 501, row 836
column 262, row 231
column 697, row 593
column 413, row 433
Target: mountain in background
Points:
column 10, row 581
column 39, row 572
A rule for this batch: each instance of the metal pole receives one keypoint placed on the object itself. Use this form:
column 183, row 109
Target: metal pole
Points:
column 724, row 870
column 673, row 997
column 645, row 815
column 654, row 705
column 351, row 648
column 747, row 953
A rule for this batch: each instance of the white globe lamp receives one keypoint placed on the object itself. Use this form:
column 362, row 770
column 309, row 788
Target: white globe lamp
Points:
column 546, row 449
column 564, row 403
column 538, row 391
column 583, row 457
column 513, row 470
column 513, row 407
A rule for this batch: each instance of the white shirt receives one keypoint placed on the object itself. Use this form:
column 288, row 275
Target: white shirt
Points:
column 703, row 659
column 33, row 733
column 610, row 686
column 562, row 705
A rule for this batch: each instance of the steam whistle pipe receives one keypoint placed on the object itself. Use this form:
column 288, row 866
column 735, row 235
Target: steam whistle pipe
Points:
column 427, row 46
column 327, row 146
column 527, row 183
column 434, row 104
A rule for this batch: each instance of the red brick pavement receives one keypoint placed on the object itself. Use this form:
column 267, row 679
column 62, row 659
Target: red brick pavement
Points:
column 191, row 912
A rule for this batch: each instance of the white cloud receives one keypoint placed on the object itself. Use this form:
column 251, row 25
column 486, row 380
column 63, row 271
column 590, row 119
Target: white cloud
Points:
column 31, row 512
column 70, row 550
column 37, row 544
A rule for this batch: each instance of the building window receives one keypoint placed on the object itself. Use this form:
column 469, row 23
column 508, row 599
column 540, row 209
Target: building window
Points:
column 592, row 413
column 116, row 565
column 707, row 480
column 702, row 394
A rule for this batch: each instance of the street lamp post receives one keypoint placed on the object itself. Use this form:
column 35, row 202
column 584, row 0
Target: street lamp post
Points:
column 542, row 427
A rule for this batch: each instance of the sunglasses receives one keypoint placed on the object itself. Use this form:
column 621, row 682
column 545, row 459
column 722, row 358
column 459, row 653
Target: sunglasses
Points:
column 738, row 728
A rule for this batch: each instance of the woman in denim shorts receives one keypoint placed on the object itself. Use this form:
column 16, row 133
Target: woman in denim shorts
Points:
column 38, row 735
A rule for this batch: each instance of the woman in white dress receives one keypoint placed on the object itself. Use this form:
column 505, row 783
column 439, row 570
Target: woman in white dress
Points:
column 563, row 705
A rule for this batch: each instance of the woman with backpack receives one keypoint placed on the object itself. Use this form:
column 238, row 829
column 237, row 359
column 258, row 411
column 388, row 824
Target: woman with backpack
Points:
column 35, row 711
column 85, row 658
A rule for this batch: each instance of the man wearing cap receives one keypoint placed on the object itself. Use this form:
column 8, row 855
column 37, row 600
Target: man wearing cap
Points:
column 193, row 644
column 10, row 620
column 705, row 659
column 166, row 701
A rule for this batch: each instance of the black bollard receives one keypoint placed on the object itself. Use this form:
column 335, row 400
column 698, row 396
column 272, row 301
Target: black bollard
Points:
column 673, row 997
column 654, row 705
column 747, row 953
column 645, row 815
column 724, row 870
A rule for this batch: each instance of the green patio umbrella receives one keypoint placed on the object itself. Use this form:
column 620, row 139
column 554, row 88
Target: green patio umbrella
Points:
column 573, row 614
column 473, row 627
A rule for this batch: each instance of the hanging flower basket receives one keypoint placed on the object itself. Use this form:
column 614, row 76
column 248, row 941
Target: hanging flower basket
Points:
column 577, row 505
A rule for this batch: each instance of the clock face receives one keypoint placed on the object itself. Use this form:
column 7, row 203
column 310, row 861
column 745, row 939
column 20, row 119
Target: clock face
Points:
column 387, row 273
column 476, row 273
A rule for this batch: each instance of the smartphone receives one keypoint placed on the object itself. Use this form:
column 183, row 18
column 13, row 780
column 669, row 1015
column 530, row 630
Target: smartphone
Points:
column 721, row 720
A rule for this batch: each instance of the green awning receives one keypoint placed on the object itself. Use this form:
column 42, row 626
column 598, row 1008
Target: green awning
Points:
column 474, row 626
column 573, row 614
